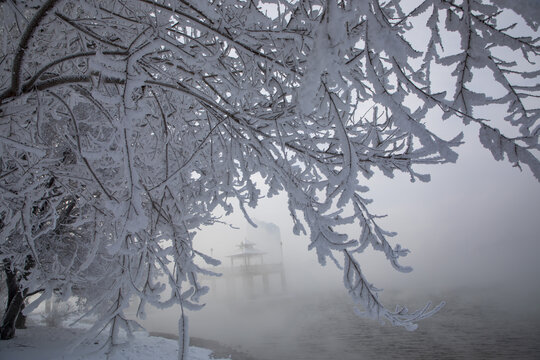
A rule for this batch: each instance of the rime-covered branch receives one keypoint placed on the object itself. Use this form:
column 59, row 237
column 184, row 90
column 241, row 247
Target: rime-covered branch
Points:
column 144, row 117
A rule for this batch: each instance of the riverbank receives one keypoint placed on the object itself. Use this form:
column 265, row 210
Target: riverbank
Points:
column 54, row 343
column 218, row 349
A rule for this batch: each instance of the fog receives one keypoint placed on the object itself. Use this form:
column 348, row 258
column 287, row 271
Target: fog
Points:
column 473, row 232
column 473, row 235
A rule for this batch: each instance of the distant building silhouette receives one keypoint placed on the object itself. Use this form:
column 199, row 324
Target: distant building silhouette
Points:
column 248, row 276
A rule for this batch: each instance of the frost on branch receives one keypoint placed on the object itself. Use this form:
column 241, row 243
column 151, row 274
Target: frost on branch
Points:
column 126, row 124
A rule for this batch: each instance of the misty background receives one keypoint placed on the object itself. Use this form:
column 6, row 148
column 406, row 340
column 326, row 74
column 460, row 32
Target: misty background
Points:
column 473, row 232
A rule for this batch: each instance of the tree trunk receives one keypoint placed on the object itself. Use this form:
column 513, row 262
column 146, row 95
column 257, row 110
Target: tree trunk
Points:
column 7, row 331
column 14, row 304
column 20, row 323
column 13, row 317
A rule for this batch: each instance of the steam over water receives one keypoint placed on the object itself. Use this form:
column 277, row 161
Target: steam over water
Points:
column 475, row 324
column 489, row 284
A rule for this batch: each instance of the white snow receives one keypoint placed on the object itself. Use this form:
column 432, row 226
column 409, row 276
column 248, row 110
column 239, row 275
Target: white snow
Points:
column 47, row 343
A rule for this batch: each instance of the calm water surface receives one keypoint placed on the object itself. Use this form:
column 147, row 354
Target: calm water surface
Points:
column 473, row 325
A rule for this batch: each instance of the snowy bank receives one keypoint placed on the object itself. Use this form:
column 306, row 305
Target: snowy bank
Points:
column 46, row 343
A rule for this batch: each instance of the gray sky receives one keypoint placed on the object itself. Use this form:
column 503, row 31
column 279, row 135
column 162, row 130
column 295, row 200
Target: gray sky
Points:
column 476, row 223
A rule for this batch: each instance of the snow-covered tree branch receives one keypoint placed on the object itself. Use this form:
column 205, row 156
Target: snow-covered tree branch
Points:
column 126, row 124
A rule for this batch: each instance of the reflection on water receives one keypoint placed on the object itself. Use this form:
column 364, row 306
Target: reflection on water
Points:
column 322, row 326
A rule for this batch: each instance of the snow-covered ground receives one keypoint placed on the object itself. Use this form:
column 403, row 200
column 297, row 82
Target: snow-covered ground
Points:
column 49, row 343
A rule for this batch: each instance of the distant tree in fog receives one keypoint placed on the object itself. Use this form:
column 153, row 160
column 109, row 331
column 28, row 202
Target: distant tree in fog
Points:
column 126, row 124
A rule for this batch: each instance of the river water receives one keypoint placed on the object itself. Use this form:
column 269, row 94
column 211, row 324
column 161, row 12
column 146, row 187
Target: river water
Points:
column 474, row 324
